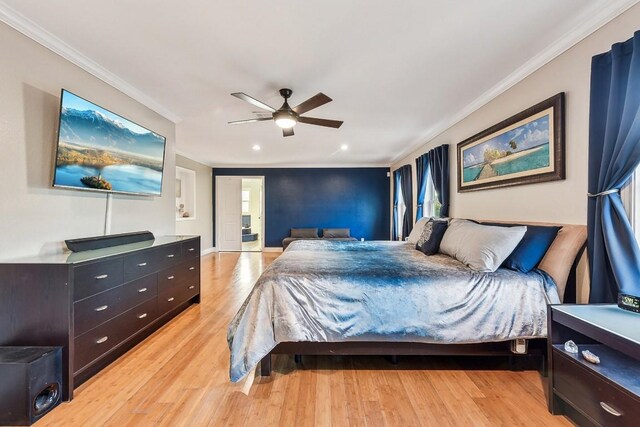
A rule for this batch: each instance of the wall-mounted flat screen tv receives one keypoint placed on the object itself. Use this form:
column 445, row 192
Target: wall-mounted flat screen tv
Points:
column 102, row 151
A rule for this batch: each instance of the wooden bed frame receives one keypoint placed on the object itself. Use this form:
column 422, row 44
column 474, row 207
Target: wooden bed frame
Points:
column 536, row 347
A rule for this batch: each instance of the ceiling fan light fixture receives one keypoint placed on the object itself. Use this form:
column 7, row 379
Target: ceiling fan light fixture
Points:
column 285, row 119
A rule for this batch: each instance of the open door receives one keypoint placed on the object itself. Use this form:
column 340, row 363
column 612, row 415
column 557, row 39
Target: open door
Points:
column 229, row 213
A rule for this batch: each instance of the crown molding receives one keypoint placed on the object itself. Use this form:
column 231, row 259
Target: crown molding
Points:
column 300, row 166
column 593, row 22
column 24, row 25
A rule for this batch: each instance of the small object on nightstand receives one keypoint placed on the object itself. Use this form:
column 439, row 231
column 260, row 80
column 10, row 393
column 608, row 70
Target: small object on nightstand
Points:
column 571, row 347
column 590, row 357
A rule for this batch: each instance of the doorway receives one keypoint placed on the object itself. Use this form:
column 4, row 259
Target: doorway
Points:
column 240, row 213
column 252, row 233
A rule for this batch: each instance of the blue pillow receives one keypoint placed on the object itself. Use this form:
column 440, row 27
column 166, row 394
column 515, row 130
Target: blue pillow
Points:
column 531, row 249
column 432, row 243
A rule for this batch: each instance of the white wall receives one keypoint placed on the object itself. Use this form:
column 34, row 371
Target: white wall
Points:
column 203, row 224
column 559, row 201
column 36, row 218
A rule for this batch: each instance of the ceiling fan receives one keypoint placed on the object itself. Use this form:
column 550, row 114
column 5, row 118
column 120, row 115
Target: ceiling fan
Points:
column 287, row 117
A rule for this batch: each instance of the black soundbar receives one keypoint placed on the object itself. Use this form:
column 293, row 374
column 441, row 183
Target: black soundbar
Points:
column 99, row 242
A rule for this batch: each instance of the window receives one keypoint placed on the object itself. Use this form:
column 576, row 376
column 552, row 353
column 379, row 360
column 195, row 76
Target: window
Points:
column 431, row 203
column 246, row 197
column 401, row 210
column 630, row 194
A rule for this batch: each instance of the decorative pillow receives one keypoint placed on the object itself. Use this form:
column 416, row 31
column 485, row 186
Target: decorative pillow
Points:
column 336, row 232
column 304, row 233
column 431, row 244
column 427, row 229
column 481, row 247
column 417, row 230
column 534, row 245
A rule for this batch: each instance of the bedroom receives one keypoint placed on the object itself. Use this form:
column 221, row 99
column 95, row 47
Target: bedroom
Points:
column 428, row 75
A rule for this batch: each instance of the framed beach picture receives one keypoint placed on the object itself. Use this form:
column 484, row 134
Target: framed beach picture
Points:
column 524, row 149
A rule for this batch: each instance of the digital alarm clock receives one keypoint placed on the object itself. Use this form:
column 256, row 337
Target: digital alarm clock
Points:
column 629, row 302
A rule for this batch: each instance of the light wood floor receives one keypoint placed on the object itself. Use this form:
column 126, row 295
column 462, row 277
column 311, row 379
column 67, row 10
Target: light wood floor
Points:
column 179, row 377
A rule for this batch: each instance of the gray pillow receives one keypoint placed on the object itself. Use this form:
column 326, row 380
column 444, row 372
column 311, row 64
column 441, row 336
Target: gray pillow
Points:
column 481, row 247
column 304, row 233
column 336, row 232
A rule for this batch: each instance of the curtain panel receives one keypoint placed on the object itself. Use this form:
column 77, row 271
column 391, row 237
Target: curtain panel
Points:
column 614, row 154
column 396, row 184
column 422, row 169
column 406, row 181
column 439, row 167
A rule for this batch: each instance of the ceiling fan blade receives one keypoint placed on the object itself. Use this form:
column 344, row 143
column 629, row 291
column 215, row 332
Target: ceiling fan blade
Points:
column 253, row 101
column 259, row 119
column 321, row 122
column 311, row 103
column 287, row 132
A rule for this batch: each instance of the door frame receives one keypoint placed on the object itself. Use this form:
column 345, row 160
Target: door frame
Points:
column 262, row 217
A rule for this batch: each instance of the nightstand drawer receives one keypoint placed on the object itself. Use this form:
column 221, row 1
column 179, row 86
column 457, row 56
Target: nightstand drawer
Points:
column 96, row 277
column 597, row 398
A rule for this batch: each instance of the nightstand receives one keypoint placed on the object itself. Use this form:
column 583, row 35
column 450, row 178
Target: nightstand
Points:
column 607, row 394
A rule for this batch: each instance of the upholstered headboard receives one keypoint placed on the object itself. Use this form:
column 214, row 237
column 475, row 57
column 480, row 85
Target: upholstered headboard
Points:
column 564, row 253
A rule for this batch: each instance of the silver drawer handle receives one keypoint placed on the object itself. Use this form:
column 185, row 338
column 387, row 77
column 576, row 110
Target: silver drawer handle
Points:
column 101, row 308
column 102, row 276
column 610, row 410
column 170, row 277
column 170, row 299
column 170, row 256
column 192, row 287
column 142, row 290
column 192, row 249
column 191, row 268
column 142, row 316
column 142, row 264
column 101, row 340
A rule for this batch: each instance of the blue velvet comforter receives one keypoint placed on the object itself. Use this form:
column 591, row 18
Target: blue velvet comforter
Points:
column 327, row 291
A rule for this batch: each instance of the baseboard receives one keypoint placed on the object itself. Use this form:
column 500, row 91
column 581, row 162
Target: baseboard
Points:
column 208, row 251
column 272, row 249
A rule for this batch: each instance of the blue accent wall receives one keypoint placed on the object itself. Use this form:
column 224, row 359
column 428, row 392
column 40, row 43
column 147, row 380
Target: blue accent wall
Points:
column 355, row 198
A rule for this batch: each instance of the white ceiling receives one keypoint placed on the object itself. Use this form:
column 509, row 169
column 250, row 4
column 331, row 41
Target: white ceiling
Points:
column 396, row 70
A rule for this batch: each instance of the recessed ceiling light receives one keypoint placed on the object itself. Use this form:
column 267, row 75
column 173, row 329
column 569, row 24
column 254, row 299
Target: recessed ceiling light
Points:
column 344, row 147
column 256, row 147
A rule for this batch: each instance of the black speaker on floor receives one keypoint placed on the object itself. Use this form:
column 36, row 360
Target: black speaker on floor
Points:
column 30, row 383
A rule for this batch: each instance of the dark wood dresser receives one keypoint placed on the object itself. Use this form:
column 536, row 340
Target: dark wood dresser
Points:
column 606, row 394
column 97, row 304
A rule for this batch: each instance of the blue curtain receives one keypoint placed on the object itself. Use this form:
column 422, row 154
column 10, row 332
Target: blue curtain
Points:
column 422, row 169
column 438, row 159
column 614, row 153
column 406, row 181
column 396, row 199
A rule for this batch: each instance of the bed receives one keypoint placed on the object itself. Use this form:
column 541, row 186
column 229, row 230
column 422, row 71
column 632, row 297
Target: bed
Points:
column 388, row 298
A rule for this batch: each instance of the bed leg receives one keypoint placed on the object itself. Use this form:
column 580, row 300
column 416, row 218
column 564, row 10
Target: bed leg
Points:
column 393, row 359
column 297, row 358
column 265, row 366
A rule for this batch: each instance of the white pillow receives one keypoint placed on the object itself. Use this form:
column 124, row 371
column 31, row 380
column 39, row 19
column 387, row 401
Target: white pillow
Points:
column 417, row 230
column 481, row 247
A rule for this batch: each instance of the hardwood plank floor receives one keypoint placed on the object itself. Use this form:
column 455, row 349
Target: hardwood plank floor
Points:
column 179, row 377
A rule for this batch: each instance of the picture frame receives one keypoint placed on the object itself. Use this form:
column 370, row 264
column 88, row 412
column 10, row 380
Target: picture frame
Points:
column 526, row 148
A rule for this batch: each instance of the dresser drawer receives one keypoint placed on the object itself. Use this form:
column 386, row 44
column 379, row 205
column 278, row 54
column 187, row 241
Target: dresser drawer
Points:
column 175, row 296
column 146, row 262
column 96, row 277
column 171, row 278
column 191, row 248
column 98, row 341
column 97, row 309
column 592, row 395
